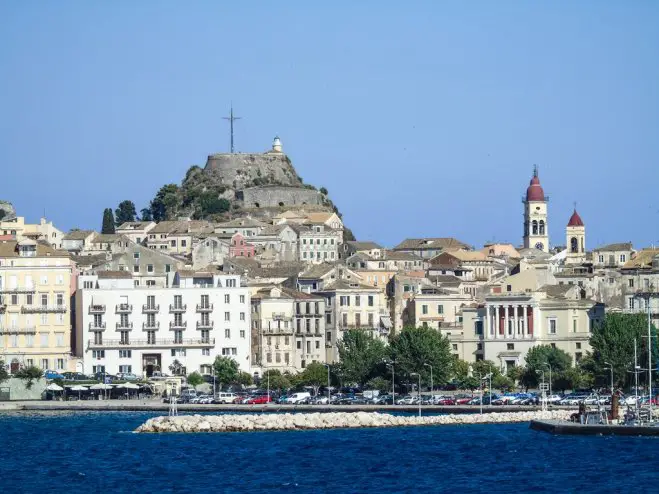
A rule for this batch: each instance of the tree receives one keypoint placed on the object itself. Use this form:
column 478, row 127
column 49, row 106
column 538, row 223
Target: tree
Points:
column 176, row 368
column 125, row 212
column 379, row 383
column 413, row 347
column 108, row 221
column 29, row 375
column 515, row 373
column 314, row 375
column 613, row 342
column 541, row 356
column 145, row 215
column 471, row 383
column 360, row 356
column 503, row 383
column 164, row 204
column 323, row 191
column 244, row 379
column 460, row 371
column 195, row 379
column 226, row 370
column 4, row 375
column 277, row 380
column 209, row 204
column 483, row 368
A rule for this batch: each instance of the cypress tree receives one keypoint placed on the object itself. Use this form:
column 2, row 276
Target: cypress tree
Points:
column 108, row 221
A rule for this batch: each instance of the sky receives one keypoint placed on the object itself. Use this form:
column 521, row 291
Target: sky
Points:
column 421, row 118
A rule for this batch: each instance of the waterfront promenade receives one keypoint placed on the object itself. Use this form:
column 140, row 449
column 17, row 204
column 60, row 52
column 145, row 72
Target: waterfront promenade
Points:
column 159, row 406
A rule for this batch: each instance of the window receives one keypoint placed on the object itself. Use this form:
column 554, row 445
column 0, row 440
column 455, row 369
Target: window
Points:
column 136, row 255
column 227, row 316
column 178, row 352
column 242, row 299
column 14, row 299
column 44, row 280
column 98, row 369
column 440, row 309
column 370, row 300
column 98, row 353
column 328, row 318
column 574, row 325
column 149, row 268
column 227, row 298
column 172, row 243
column 242, row 333
column 344, row 300
column 59, row 338
column 136, row 268
column 44, row 300
column 552, row 326
column 125, row 353
column 44, row 363
column 126, row 369
column 630, row 303
column 424, row 309
column 455, row 347
column 299, row 345
column 29, row 340
column 43, row 340
column 510, row 346
column 631, row 282
column 184, row 243
column 578, row 346
column 268, row 356
column 623, row 258
column 317, row 345
column 227, row 333
column 60, row 299
column 206, row 353
column 59, row 280
column 234, row 351
column 357, row 301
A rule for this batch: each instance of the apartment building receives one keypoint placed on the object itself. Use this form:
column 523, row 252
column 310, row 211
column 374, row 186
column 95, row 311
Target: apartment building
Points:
column 318, row 243
column 288, row 329
column 35, row 292
column 44, row 231
column 436, row 307
column 136, row 231
column 121, row 327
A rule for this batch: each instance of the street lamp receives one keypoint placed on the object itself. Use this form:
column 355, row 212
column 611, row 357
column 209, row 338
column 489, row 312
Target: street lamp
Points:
column 549, row 365
column 268, row 386
column 390, row 363
column 610, row 367
column 329, row 396
column 480, row 386
column 431, row 384
column 419, row 376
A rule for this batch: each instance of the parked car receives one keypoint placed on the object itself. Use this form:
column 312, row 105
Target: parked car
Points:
column 555, row 399
column 443, row 400
column 259, row 400
column 573, row 399
column 127, row 376
column 296, row 398
column 406, row 400
column 74, row 376
column 462, row 399
column 224, row 397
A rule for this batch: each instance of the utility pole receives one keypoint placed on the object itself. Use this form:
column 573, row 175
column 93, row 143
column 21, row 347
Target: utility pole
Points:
column 231, row 119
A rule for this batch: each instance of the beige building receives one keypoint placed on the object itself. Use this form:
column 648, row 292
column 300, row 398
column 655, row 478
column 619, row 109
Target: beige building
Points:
column 177, row 237
column 613, row 255
column 575, row 240
column 318, row 243
column 35, row 317
column 288, row 329
column 136, row 231
column 436, row 308
column 44, row 230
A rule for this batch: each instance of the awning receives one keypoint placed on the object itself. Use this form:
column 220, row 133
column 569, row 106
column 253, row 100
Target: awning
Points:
column 54, row 387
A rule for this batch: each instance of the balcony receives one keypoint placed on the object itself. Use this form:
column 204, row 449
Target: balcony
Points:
column 174, row 326
column 277, row 331
column 19, row 330
column 96, row 327
column 124, row 326
column 205, row 325
column 365, row 327
column 42, row 309
column 280, row 316
column 17, row 290
column 204, row 308
column 97, row 309
column 154, row 326
column 150, row 309
column 308, row 334
column 174, row 309
column 124, row 308
column 157, row 343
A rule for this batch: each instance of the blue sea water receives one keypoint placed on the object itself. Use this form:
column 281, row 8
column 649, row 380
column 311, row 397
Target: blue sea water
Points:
column 96, row 452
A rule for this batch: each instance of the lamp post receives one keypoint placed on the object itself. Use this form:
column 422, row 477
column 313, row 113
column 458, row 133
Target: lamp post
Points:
column 419, row 376
column 480, row 386
column 268, row 386
column 431, row 383
column 610, row 367
column 549, row 365
column 329, row 395
column 390, row 363
column 490, row 384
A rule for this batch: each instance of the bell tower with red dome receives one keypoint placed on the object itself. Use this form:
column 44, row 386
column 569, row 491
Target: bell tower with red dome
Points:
column 575, row 234
column 536, row 228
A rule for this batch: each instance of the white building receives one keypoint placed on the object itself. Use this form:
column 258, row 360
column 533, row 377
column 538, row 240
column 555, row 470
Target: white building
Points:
column 124, row 328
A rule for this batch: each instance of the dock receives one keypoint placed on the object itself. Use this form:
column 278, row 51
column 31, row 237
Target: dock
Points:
column 574, row 428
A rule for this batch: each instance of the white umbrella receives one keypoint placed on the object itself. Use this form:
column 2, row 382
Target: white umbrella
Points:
column 100, row 386
column 54, row 387
column 78, row 388
column 129, row 386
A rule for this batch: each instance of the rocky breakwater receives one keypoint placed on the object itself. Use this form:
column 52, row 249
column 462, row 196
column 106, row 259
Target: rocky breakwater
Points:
column 333, row 420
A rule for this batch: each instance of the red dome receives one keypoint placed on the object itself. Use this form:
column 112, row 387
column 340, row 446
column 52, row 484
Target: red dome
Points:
column 575, row 219
column 535, row 192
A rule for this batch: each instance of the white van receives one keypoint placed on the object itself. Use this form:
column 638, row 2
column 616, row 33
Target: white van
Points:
column 224, row 398
column 296, row 397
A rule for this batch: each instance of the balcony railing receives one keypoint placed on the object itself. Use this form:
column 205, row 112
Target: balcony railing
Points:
column 277, row 331
column 124, row 308
column 124, row 326
column 164, row 342
column 16, row 290
column 97, row 309
column 173, row 325
column 365, row 327
column 97, row 327
column 173, row 308
column 204, row 307
column 150, row 309
column 42, row 309
column 154, row 326
column 205, row 325
column 19, row 330
column 308, row 333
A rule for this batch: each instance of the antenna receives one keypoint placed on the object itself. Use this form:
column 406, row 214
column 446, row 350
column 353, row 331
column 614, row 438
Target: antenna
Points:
column 231, row 119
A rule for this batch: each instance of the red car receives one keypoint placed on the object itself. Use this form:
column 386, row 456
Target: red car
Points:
column 259, row 400
column 445, row 401
column 463, row 401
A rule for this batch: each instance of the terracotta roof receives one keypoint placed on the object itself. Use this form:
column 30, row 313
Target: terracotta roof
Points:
column 615, row 247
column 319, row 217
column 134, row 225
column 114, row 275
column 78, row 234
column 642, row 259
column 107, row 238
column 445, row 243
column 8, row 248
column 467, row 255
column 534, row 192
column 316, row 271
column 575, row 220
column 90, row 261
column 241, row 222
column 556, row 291
column 445, row 279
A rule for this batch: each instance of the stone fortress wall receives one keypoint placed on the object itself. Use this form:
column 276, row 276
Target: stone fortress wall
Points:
column 273, row 196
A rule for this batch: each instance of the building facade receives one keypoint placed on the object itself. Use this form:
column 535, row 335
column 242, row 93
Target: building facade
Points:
column 141, row 330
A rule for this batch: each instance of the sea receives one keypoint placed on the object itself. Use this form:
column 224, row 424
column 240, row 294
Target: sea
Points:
column 94, row 452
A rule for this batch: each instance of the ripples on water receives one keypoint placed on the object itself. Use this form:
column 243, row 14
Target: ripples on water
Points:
column 95, row 452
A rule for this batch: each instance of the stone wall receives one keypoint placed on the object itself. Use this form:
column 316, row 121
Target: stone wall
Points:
column 8, row 209
column 15, row 389
column 258, row 197
column 242, row 170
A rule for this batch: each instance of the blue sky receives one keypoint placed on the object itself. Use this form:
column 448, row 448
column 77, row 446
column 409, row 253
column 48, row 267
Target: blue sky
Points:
column 421, row 118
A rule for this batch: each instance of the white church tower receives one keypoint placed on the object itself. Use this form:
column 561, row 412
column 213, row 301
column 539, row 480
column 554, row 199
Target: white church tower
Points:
column 536, row 228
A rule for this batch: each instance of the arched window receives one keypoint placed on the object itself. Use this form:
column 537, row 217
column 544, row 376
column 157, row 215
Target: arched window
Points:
column 535, row 227
column 574, row 245
column 542, row 227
